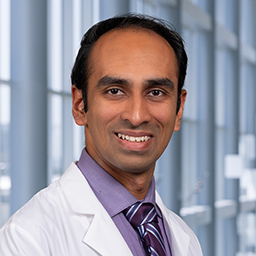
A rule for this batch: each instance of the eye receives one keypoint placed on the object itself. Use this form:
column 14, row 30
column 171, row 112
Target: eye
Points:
column 115, row 91
column 156, row 93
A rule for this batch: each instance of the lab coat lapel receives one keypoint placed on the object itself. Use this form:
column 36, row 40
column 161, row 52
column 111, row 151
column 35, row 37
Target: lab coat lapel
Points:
column 101, row 234
column 179, row 239
column 104, row 237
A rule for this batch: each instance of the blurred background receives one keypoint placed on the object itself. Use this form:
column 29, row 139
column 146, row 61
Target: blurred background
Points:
column 208, row 172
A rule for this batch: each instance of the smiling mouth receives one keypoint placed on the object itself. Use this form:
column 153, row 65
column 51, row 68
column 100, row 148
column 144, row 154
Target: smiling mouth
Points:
column 132, row 138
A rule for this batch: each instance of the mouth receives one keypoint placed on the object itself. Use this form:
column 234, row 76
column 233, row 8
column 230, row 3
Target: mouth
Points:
column 133, row 138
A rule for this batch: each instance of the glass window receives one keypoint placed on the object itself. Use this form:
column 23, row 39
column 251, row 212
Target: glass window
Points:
column 68, row 21
column 210, row 129
column 247, row 99
column 203, row 4
column 248, row 22
column 226, row 14
column 5, row 109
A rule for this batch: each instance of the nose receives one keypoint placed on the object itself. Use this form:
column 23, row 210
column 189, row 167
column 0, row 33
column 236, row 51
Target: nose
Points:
column 136, row 111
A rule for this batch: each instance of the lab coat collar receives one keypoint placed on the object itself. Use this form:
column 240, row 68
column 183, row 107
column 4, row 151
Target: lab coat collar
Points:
column 102, row 234
column 179, row 239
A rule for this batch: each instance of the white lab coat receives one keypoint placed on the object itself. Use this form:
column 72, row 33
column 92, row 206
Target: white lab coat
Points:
column 66, row 219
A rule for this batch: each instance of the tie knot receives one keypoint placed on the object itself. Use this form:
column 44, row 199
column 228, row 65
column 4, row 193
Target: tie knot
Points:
column 141, row 213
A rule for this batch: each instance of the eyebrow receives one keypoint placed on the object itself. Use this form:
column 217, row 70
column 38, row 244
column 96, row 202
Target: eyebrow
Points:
column 160, row 81
column 107, row 80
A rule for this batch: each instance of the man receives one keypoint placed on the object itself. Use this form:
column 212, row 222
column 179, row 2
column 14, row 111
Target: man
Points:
column 127, row 93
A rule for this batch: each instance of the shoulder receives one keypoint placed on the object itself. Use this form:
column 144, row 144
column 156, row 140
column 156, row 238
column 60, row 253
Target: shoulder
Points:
column 39, row 209
column 29, row 226
column 177, row 220
column 194, row 245
column 47, row 215
column 180, row 231
column 181, row 223
column 42, row 205
column 49, row 204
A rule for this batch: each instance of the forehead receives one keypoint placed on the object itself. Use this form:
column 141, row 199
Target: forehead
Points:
column 130, row 46
column 119, row 35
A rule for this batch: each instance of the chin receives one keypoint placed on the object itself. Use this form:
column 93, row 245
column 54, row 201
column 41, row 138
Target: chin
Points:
column 136, row 167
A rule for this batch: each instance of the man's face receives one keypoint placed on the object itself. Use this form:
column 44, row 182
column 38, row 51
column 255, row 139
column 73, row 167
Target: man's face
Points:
column 132, row 100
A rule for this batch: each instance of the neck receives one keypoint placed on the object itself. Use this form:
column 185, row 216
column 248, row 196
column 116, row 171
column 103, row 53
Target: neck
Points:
column 137, row 184
column 136, row 181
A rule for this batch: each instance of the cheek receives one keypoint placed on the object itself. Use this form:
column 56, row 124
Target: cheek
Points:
column 101, row 114
column 165, row 116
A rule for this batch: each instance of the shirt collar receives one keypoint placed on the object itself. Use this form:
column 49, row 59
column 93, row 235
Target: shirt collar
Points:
column 107, row 189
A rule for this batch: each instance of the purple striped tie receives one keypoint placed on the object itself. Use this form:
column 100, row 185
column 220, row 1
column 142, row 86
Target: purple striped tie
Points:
column 143, row 217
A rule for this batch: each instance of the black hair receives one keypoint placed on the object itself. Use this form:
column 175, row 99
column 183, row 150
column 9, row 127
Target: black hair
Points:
column 80, row 71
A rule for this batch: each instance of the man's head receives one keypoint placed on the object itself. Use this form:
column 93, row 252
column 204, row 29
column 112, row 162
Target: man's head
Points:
column 133, row 87
column 81, row 69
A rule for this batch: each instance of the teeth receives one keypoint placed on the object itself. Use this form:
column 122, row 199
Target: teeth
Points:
column 133, row 139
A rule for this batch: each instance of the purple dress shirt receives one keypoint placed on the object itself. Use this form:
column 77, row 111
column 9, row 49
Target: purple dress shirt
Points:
column 115, row 198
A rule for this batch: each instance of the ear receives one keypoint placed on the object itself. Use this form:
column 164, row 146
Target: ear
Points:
column 179, row 115
column 78, row 113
